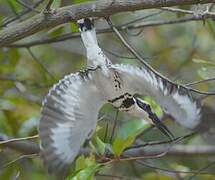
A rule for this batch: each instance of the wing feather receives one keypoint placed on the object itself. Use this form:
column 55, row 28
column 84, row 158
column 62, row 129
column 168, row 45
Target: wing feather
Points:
column 174, row 99
column 69, row 113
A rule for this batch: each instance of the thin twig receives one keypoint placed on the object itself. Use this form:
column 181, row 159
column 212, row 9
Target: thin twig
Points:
column 133, row 34
column 28, row 6
column 13, row 9
column 206, row 13
column 162, row 22
column 18, row 159
column 12, row 19
column 139, row 19
column 21, row 145
column 200, row 81
column 142, row 157
column 160, row 142
column 176, row 10
column 202, row 169
column 18, row 139
column 147, row 65
column 172, row 171
column 48, row 7
column 177, row 175
column 204, row 96
column 66, row 14
column 41, row 64
column 104, row 30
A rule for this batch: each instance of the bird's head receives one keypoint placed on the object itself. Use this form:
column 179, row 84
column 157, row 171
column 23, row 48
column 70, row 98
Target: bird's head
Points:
column 85, row 24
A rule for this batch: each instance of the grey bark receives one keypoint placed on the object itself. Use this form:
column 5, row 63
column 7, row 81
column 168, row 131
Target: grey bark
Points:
column 102, row 8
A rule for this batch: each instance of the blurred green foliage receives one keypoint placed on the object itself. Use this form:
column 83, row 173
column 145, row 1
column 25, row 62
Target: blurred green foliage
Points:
column 183, row 52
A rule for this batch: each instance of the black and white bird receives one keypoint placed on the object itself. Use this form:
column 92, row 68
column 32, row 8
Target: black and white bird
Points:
column 70, row 110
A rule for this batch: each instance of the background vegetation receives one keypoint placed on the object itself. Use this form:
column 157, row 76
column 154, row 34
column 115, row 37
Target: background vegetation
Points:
column 184, row 52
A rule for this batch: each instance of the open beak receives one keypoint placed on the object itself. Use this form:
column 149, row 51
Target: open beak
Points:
column 161, row 126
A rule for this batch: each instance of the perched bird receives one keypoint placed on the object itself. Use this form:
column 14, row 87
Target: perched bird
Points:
column 70, row 110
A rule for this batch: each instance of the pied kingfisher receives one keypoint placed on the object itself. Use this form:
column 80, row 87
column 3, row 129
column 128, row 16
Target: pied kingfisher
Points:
column 70, row 110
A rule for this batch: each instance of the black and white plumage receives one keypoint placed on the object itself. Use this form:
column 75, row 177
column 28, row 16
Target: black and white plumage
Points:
column 173, row 99
column 67, row 119
column 69, row 112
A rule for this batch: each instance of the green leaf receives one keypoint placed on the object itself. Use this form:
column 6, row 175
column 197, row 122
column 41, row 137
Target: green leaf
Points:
column 90, row 160
column 120, row 144
column 85, row 168
column 101, row 145
column 201, row 61
column 126, row 135
column 132, row 128
column 87, row 173
column 93, row 147
column 211, row 26
column 74, row 27
column 80, row 163
column 156, row 107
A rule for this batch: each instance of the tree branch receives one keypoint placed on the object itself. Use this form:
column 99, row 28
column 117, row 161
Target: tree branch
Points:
column 152, row 143
column 21, row 157
column 105, row 30
column 172, row 171
column 176, row 150
column 25, row 147
column 65, row 14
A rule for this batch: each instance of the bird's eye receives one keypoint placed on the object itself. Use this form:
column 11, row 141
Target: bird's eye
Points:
column 148, row 107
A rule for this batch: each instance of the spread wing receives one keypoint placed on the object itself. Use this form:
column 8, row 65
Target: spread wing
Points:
column 68, row 117
column 173, row 99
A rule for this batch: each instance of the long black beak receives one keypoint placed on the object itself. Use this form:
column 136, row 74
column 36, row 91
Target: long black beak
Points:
column 161, row 126
column 156, row 121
